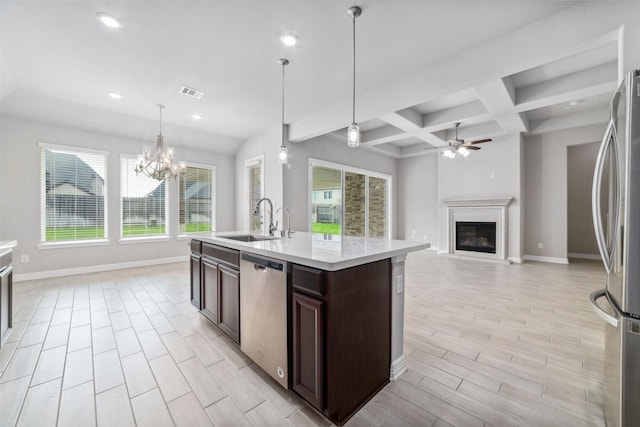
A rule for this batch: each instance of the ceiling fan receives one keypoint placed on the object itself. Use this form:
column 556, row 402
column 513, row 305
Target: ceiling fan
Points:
column 461, row 146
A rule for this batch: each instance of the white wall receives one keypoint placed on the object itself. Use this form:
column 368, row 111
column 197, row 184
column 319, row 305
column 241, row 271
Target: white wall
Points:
column 266, row 144
column 330, row 149
column 20, row 189
column 418, row 198
column 546, row 189
column 470, row 178
column 581, row 160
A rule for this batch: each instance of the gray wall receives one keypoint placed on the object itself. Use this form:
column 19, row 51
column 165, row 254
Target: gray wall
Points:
column 330, row 149
column 470, row 178
column 581, row 160
column 546, row 189
column 417, row 186
column 20, row 189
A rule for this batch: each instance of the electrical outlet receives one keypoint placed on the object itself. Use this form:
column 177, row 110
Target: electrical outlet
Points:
column 24, row 258
column 540, row 245
column 399, row 283
column 492, row 175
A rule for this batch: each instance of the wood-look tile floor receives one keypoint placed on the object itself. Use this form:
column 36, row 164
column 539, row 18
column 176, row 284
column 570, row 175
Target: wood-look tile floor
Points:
column 485, row 343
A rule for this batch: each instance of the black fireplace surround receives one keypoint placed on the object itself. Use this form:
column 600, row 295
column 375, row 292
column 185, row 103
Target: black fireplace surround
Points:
column 476, row 236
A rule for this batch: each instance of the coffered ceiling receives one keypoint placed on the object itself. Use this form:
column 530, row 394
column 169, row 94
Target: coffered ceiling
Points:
column 422, row 66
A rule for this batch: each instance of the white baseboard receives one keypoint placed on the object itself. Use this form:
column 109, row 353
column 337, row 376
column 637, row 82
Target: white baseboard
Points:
column 584, row 256
column 398, row 367
column 553, row 260
column 515, row 260
column 96, row 268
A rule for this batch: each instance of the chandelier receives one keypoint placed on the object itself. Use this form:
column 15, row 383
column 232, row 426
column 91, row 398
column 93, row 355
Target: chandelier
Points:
column 159, row 165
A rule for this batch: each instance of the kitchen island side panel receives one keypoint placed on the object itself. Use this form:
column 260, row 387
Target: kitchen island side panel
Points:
column 358, row 337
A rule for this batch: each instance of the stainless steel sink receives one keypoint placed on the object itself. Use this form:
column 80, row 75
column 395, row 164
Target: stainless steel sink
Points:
column 248, row 237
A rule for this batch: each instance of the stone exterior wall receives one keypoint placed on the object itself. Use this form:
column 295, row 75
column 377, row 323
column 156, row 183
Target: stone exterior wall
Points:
column 355, row 203
column 377, row 207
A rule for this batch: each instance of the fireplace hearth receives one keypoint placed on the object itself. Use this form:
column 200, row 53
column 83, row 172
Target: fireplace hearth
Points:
column 476, row 236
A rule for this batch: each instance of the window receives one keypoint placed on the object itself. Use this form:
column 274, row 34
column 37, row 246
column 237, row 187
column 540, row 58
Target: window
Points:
column 347, row 201
column 254, row 190
column 73, row 185
column 196, row 199
column 144, row 202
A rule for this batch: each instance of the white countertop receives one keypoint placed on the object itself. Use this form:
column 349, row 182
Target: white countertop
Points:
column 326, row 252
column 7, row 245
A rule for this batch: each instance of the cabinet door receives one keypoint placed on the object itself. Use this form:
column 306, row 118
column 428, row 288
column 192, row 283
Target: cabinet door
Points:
column 308, row 351
column 195, row 280
column 229, row 297
column 6, row 296
column 209, row 289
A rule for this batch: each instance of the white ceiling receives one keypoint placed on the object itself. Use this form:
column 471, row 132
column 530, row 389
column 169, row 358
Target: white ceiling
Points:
column 58, row 64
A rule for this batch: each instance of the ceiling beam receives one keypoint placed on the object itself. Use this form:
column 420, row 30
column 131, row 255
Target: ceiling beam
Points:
column 499, row 98
column 567, row 121
column 443, row 119
column 382, row 135
column 410, row 121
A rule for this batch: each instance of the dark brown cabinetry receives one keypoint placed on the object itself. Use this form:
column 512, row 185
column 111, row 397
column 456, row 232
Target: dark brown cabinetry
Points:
column 229, row 301
column 220, row 288
column 308, row 353
column 6, row 295
column 341, row 336
column 196, row 256
column 210, row 289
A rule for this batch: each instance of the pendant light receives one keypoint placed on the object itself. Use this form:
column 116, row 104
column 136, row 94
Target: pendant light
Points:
column 283, row 148
column 353, row 132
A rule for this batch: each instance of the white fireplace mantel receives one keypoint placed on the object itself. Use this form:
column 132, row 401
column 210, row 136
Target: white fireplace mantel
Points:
column 481, row 210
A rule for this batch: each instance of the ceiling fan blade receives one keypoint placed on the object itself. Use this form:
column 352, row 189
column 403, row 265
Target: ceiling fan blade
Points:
column 480, row 141
column 471, row 147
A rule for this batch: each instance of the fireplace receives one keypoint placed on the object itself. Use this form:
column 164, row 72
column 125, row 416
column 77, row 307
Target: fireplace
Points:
column 476, row 236
column 478, row 228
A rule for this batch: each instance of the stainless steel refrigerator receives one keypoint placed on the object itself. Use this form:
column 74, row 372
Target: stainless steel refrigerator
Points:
column 616, row 218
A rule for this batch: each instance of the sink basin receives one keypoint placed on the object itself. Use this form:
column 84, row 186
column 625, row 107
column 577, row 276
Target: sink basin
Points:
column 248, row 237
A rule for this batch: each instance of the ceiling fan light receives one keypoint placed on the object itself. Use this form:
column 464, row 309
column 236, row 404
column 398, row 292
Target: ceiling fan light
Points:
column 353, row 135
column 447, row 153
column 463, row 151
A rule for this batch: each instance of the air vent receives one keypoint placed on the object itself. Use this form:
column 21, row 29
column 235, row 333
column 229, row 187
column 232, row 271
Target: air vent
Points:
column 189, row 91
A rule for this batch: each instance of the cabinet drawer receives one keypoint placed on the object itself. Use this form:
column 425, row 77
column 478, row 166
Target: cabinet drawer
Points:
column 196, row 246
column 309, row 280
column 230, row 256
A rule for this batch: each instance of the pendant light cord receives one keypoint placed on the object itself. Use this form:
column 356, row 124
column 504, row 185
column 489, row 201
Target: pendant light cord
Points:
column 283, row 65
column 354, row 70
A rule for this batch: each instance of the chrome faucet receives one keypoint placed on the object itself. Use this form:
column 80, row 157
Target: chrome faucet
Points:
column 272, row 227
column 289, row 232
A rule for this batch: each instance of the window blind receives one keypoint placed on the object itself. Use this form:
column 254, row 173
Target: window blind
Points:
column 197, row 200
column 72, row 194
column 254, row 194
column 143, row 200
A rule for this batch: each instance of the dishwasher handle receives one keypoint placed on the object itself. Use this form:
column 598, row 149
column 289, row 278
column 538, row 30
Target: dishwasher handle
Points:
column 264, row 264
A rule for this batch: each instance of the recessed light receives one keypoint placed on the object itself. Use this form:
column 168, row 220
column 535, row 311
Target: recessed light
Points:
column 196, row 116
column 288, row 39
column 576, row 102
column 115, row 95
column 108, row 20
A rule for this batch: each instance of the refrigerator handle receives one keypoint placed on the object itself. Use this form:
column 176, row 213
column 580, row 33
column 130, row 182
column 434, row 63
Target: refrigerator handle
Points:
column 609, row 135
column 599, row 311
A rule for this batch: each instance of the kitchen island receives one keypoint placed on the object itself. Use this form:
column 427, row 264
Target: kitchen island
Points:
column 339, row 301
column 6, row 288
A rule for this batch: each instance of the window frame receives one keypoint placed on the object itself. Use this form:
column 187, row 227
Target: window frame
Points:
column 214, row 184
column 145, row 238
column 248, row 210
column 44, row 244
column 350, row 169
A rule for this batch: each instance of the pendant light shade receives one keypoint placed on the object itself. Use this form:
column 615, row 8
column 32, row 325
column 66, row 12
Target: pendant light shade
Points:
column 353, row 132
column 284, row 157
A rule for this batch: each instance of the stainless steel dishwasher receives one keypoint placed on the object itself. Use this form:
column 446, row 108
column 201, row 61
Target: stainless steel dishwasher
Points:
column 263, row 314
